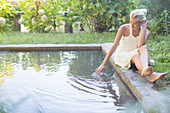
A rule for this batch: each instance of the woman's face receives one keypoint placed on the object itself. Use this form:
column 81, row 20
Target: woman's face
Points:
column 135, row 24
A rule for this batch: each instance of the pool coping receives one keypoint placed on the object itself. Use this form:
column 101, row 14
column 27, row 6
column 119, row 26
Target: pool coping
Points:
column 35, row 47
column 139, row 86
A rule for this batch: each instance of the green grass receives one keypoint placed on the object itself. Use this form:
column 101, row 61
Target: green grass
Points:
column 159, row 46
column 54, row 38
column 159, row 50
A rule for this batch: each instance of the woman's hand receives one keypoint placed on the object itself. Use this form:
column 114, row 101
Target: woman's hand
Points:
column 144, row 35
column 101, row 68
column 144, row 24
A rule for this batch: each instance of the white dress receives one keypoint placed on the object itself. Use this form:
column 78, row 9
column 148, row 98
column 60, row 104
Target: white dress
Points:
column 127, row 48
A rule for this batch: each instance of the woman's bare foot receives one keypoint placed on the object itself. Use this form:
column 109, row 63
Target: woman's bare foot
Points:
column 146, row 72
column 156, row 76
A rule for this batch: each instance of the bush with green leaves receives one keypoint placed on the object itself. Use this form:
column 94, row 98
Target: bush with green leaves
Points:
column 153, row 27
column 40, row 16
column 7, row 14
column 158, row 12
column 164, row 22
column 99, row 15
column 160, row 26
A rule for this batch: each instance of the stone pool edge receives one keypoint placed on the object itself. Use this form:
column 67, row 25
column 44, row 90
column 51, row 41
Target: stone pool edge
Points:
column 105, row 48
column 41, row 47
column 140, row 87
column 146, row 92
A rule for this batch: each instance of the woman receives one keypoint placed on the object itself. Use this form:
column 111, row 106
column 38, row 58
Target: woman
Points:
column 132, row 48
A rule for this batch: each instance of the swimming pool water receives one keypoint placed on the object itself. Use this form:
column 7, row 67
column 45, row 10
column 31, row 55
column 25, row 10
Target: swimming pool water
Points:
column 61, row 82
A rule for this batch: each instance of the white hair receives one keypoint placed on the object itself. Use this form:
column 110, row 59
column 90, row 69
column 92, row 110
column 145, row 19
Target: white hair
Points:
column 139, row 14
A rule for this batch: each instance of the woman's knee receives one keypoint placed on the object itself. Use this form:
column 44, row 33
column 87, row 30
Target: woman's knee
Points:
column 142, row 48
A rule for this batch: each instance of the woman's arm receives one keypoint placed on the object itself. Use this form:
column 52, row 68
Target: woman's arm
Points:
column 144, row 35
column 120, row 32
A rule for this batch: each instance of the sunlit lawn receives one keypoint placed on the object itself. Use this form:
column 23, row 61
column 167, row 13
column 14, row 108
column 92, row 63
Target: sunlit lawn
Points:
column 55, row 38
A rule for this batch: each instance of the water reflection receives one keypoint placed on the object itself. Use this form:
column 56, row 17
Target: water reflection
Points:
column 85, row 64
column 41, row 60
column 49, row 82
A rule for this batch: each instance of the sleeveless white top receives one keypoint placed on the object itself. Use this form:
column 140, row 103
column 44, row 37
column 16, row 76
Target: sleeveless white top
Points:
column 128, row 47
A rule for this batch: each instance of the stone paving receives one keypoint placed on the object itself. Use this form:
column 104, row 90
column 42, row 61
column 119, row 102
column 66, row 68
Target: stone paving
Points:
column 146, row 92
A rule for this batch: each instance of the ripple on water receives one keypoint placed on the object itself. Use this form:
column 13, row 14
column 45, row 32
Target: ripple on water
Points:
column 56, row 90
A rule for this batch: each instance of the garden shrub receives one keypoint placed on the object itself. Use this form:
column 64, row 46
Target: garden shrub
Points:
column 160, row 26
column 40, row 16
column 7, row 14
column 153, row 27
column 99, row 15
column 158, row 12
column 164, row 22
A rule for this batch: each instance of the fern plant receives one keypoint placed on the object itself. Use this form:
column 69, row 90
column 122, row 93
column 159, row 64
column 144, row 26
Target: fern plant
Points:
column 153, row 26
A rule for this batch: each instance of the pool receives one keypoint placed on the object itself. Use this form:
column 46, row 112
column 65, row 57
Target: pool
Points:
column 61, row 82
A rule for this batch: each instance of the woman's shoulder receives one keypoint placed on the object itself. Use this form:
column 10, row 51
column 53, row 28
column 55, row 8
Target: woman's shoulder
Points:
column 125, row 27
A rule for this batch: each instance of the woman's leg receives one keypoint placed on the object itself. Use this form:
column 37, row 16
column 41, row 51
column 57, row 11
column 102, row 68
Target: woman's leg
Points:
column 144, row 59
column 144, row 56
column 141, row 61
column 136, row 59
